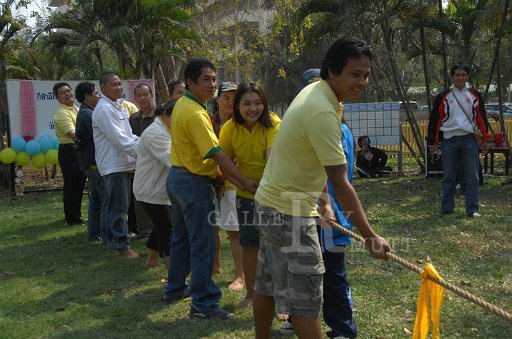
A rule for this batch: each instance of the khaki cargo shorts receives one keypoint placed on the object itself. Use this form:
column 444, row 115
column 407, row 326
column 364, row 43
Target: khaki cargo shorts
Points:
column 290, row 265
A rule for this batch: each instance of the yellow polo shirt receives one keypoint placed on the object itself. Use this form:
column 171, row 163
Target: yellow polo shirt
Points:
column 64, row 120
column 130, row 107
column 309, row 138
column 193, row 140
column 249, row 147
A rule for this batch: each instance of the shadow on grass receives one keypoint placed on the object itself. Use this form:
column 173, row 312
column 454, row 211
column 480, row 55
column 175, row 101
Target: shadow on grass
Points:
column 81, row 289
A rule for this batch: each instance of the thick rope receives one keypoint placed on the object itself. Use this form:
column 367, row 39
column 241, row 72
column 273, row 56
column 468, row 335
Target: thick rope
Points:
column 457, row 290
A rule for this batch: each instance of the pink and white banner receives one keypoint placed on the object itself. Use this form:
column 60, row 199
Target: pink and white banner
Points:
column 32, row 104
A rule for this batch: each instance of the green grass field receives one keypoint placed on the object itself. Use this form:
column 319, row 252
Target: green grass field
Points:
column 54, row 283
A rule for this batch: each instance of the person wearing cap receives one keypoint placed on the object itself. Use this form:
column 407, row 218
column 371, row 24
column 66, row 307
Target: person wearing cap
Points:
column 226, row 191
column 195, row 156
column 337, row 306
column 307, row 151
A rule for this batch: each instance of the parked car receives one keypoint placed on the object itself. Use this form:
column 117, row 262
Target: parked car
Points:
column 492, row 109
column 413, row 105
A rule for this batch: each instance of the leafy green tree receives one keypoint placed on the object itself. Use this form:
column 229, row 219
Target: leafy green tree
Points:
column 367, row 14
column 136, row 33
column 9, row 27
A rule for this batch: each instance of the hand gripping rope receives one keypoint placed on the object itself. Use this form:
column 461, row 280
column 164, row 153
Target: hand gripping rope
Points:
column 457, row 290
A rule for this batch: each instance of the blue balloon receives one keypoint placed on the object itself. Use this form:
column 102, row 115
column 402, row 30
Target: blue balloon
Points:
column 46, row 142
column 18, row 144
column 55, row 144
column 33, row 147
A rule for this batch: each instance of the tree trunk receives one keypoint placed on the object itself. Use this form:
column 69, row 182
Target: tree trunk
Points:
column 401, row 92
column 425, row 66
column 500, row 102
column 162, row 84
column 443, row 42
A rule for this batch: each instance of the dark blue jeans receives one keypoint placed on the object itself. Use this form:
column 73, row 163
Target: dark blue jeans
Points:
column 337, row 307
column 193, row 241
column 97, row 213
column 460, row 152
column 118, row 199
column 249, row 235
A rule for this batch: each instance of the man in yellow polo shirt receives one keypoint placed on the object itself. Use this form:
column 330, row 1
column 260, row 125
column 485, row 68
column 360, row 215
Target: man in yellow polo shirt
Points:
column 194, row 156
column 306, row 152
column 74, row 179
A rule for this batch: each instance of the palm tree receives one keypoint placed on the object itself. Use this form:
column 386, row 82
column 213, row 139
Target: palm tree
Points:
column 137, row 33
column 9, row 27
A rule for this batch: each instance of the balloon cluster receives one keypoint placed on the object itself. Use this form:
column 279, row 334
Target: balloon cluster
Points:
column 41, row 151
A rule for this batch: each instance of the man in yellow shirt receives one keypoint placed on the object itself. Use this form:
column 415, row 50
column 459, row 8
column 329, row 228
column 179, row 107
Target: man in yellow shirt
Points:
column 194, row 156
column 306, row 152
column 74, row 179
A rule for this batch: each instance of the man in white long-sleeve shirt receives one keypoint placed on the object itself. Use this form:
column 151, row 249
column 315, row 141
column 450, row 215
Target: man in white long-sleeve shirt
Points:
column 116, row 149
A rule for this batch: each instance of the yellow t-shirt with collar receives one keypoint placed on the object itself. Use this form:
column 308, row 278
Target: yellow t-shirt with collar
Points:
column 130, row 107
column 309, row 138
column 249, row 147
column 193, row 140
column 64, row 120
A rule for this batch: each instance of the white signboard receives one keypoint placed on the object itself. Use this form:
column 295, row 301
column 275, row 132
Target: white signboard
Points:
column 379, row 120
column 32, row 104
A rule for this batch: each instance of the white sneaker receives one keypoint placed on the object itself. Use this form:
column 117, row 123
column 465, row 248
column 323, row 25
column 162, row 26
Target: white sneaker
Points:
column 474, row 215
column 286, row 328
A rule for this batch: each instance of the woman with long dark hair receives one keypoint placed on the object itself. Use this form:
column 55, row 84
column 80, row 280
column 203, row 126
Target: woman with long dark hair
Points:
column 248, row 137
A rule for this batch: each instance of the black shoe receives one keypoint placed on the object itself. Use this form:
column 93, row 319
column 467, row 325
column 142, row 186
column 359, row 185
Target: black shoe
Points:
column 218, row 313
column 142, row 236
column 175, row 299
column 78, row 222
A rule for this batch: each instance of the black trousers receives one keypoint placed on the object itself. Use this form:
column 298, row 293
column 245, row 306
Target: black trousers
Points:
column 132, row 217
column 74, row 182
column 160, row 237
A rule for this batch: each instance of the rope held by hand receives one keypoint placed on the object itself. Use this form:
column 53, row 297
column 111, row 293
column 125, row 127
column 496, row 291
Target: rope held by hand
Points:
column 457, row 290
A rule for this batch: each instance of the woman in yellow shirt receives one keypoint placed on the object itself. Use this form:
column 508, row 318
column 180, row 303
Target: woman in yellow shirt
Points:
column 248, row 137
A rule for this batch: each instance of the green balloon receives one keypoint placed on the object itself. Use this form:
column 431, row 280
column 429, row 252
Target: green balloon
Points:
column 52, row 156
column 8, row 155
column 39, row 160
column 22, row 158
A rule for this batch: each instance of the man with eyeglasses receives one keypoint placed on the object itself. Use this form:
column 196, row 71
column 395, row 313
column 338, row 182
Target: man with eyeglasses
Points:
column 74, row 179
column 88, row 97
